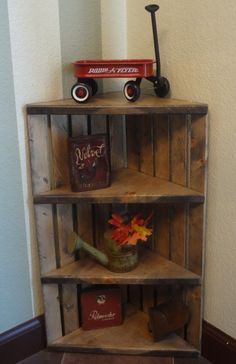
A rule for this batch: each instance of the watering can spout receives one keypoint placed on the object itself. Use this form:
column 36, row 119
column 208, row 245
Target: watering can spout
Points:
column 76, row 243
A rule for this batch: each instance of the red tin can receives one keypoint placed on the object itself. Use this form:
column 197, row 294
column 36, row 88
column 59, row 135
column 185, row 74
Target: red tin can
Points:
column 101, row 307
column 89, row 162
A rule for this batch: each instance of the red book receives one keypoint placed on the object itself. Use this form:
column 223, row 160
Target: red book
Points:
column 89, row 162
column 101, row 308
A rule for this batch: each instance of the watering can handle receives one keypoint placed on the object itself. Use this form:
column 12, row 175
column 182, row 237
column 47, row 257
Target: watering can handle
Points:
column 152, row 8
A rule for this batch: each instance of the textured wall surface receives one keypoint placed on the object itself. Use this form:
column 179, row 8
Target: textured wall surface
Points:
column 114, row 33
column 80, row 31
column 15, row 295
column 198, row 52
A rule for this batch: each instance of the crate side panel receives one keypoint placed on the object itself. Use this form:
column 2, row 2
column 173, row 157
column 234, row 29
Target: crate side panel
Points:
column 63, row 219
column 41, row 174
column 197, row 180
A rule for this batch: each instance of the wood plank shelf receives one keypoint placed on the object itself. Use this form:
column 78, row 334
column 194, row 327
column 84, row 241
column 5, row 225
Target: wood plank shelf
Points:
column 152, row 269
column 132, row 337
column 115, row 103
column 127, row 186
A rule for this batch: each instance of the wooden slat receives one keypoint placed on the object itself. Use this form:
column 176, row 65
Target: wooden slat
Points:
column 198, row 152
column 195, row 238
column 162, row 233
column 197, row 179
column 115, row 104
column 63, row 224
column 133, row 162
column 146, row 165
column 40, row 150
column 178, row 234
column 59, row 136
column 162, row 146
column 178, row 149
column 162, row 220
column 70, row 307
column 52, row 312
column 133, row 337
column 179, row 171
column 40, row 163
column 162, row 170
column 194, row 300
column 117, row 143
column 100, row 213
column 145, row 125
column 132, row 142
column 152, row 269
column 82, row 213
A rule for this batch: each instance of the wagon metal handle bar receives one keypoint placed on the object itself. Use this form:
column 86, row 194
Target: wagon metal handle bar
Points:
column 152, row 9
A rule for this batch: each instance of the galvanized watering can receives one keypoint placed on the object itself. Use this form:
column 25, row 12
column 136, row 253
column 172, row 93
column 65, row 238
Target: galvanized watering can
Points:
column 115, row 258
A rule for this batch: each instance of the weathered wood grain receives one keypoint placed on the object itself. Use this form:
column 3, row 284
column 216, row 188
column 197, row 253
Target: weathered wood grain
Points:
column 146, row 165
column 117, row 142
column 194, row 327
column 178, row 149
column 115, row 104
column 152, row 269
column 197, row 179
column 133, row 337
column 166, row 158
column 132, row 142
column 63, row 219
column 199, row 152
column 161, row 146
column 70, row 307
column 127, row 187
column 40, row 150
column 100, row 213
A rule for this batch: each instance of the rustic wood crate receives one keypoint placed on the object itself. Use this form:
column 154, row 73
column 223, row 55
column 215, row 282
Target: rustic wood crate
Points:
column 165, row 141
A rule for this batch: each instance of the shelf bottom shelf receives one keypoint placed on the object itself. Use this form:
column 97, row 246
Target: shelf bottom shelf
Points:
column 130, row 338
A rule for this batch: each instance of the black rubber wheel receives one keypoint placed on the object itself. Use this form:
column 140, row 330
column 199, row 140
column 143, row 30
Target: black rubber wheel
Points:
column 162, row 87
column 132, row 91
column 81, row 92
column 91, row 82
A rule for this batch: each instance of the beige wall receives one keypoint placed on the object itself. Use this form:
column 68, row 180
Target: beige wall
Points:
column 198, row 51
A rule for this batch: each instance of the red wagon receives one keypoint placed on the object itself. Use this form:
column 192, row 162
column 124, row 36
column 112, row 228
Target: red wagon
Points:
column 86, row 71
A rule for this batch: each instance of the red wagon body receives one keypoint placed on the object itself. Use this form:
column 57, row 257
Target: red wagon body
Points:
column 122, row 68
column 86, row 71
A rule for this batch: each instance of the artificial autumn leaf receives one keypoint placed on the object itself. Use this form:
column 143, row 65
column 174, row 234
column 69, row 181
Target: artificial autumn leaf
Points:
column 132, row 239
column 129, row 232
column 142, row 231
column 116, row 220
column 120, row 235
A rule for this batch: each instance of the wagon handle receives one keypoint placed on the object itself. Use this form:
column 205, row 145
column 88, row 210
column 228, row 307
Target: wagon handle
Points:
column 152, row 9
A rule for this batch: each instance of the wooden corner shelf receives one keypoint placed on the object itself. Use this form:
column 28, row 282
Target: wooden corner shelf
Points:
column 113, row 103
column 127, row 186
column 152, row 269
column 158, row 155
column 132, row 337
